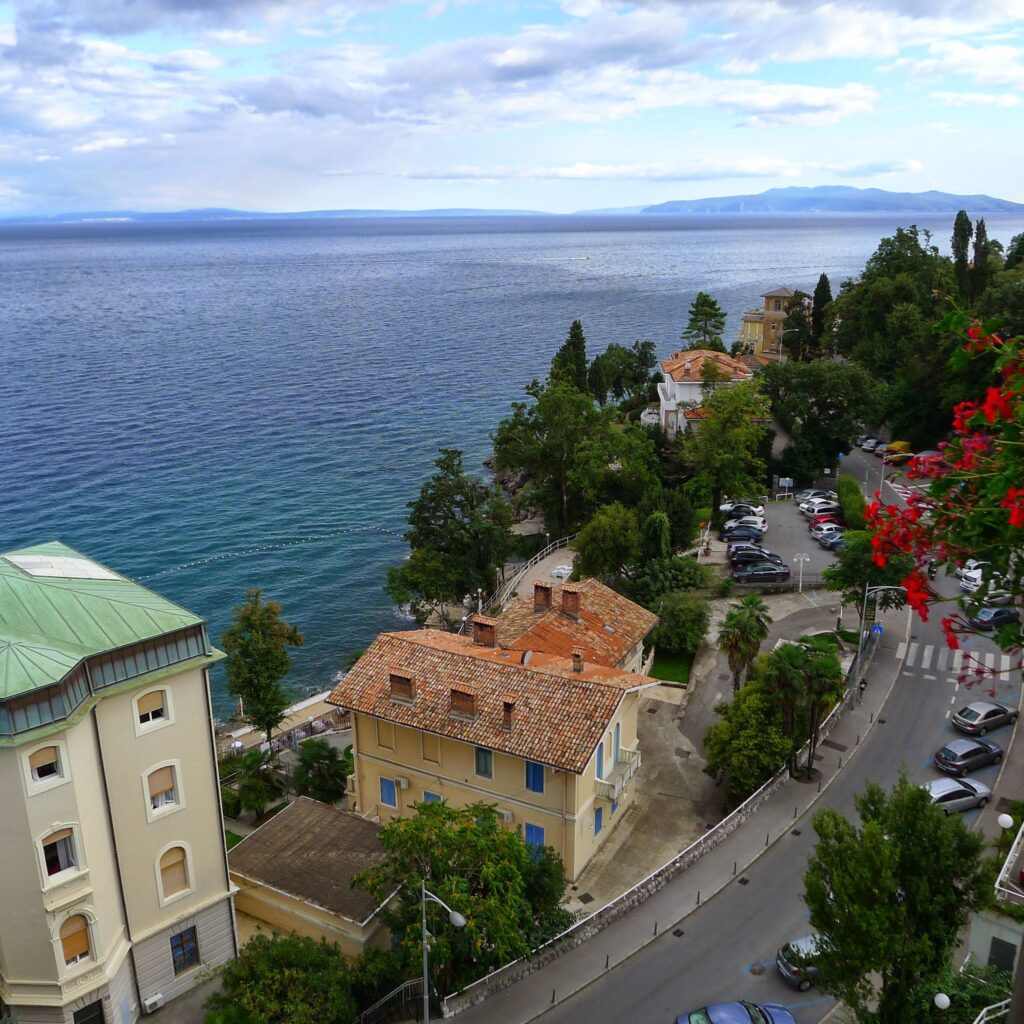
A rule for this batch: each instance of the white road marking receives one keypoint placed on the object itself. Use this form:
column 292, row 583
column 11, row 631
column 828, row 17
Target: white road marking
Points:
column 958, row 660
column 943, row 659
column 990, row 660
column 912, row 656
column 901, row 650
column 929, row 677
column 1004, row 665
column 947, row 714
column 926, row 656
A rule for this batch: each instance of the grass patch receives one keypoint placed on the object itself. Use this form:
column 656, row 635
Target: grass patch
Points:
column 848, row 636
column 232, row 839
column 673, row 668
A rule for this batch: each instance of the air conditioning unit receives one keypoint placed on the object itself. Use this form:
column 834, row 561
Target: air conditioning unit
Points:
column 402, row 782
column 152, row 1003
column 505, row 816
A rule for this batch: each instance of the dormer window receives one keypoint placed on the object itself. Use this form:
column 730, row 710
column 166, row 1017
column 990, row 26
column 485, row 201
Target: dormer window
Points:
column 403, row 688
column 463, row 703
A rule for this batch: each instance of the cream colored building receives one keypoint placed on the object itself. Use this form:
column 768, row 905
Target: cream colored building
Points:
column 550, row 739
column 115, row 890
column 761, row 329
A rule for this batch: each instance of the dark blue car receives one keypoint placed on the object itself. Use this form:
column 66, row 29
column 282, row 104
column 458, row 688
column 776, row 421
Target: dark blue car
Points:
column 741, row 533
column 994, row 618
column 738, row 1013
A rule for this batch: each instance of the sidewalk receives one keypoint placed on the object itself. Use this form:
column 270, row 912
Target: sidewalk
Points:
column 585, row 963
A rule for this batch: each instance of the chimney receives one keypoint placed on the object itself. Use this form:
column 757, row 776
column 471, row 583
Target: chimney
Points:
column 577, row 659
column 541, row 595
column 571, row 600
column 403, row 687
column 508, row 707
column 484, row 631
column 463, row 703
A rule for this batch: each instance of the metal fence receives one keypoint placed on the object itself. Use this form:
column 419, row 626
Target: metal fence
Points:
column 994, row 1012
column 407, row 992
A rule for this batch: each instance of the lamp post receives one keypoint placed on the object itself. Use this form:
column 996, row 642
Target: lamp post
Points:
column 800, row 559
column 864, row 614
column 457, row 921
column 1005, row 823
column 941, row 1001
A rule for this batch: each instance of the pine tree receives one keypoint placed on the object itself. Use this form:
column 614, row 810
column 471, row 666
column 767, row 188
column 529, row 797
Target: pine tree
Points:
column 596, row 380
column 570, row 361
column 706, row 324
column 960, row 244
column 822, row 297
column 981, row 274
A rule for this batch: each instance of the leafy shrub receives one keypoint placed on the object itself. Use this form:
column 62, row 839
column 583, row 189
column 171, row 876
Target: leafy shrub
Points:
column 230, row 801
column 662, row 576
column 725, row 587
column 684, row 623
column 852, row 501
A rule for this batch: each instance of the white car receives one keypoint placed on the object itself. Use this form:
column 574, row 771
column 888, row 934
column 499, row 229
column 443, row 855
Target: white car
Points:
column 757, row 522
column 825, row 530
column 728, row 505
column 816, row 505
column 970, row 566
column 561, row 572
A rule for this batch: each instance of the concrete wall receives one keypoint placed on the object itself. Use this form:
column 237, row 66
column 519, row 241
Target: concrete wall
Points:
column 987, row 925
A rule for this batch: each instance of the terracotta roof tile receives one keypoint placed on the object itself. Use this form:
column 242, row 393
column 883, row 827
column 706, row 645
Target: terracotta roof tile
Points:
column 561, row 715
column 688, row 366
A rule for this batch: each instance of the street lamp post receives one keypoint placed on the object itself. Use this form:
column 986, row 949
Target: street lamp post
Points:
column 864, row 614
column 800, row 559
column 457, row 921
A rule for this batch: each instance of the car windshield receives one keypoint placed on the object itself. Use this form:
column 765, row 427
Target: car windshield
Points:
column 699, row 1017
column 756, row 1015
column 970, row 715
column 947, row 754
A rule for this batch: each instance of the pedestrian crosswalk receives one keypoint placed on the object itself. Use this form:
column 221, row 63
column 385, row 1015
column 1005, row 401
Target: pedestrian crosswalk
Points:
column 939, row 659
column 904, row 490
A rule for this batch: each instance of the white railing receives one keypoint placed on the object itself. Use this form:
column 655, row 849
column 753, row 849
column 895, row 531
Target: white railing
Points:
column 994, row 1012
column 1005, row 889
column 509, row 587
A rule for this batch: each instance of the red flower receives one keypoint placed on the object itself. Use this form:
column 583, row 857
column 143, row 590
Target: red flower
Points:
column 997, row 403
column 952, row 641
column 1014, row 501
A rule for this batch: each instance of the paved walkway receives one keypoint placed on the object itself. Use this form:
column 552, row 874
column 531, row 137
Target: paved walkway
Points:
column 665, row 909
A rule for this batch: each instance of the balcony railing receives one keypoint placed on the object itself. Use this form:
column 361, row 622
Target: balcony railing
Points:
column 626, row 767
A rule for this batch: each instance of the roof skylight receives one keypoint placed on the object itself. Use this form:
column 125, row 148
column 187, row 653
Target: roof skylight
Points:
column 61, row 567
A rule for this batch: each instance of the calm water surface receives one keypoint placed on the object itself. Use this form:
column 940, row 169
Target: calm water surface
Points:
column 171, row 394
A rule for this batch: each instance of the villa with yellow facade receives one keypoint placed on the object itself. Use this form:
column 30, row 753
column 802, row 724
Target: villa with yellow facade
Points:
column 536, row 713
column 761, row 329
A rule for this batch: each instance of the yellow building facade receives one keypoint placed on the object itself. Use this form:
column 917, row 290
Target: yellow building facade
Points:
column 761, row 328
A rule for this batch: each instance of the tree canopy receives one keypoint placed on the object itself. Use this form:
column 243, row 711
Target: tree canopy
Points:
column 705, row 325
column 855, row 568
column 320, row 772
column 570, row 361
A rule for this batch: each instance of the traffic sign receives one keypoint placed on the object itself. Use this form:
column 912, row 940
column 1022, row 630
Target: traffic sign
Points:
column 876, row 629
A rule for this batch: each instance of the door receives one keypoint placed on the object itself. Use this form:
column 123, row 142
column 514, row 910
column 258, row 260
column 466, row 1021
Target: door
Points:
column 91, row 1014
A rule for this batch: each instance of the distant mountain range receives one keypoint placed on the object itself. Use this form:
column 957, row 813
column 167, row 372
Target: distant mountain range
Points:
column 839, row 199
column 823, row 199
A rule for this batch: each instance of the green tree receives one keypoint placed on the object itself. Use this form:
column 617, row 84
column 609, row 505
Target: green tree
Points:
column 570, row 361
column 597, row 382
column 510, row 895
column 683, row 624
column 748, row 746
column 260, row 782
column 981, row 267
column 783, row 675
column 970, row 990
column 257, row 643
column 960, row 244
column 320, row 772
column 424, row 583
column 741, row 634
column 657, row 536
column 823, row 686
column 609, row 546
column 819, row 310
column 797, row 332
column 720, row 455
column 657, row 577
column 889, row 897
column 706, row 324
column 287, row 979
column 855, row 569
column 1015, row 253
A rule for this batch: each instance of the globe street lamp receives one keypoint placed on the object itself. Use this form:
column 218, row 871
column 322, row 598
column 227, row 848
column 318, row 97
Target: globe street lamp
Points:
column 941, row 1001
column 800, row 559
column 457, row 921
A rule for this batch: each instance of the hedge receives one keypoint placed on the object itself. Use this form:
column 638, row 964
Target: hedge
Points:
column 230, row 801
column 852, row 501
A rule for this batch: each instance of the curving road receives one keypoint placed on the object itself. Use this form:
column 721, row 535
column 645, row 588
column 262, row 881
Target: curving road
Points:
column 728, row 947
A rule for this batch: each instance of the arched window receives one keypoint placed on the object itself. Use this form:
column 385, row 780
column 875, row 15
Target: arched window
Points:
column 174, row 871
column 45, row 763
column 59, row 851
column 152, row 707
column 163, row 790
column 74, row 939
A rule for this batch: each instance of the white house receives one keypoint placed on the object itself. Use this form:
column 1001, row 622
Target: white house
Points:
column 679, row 394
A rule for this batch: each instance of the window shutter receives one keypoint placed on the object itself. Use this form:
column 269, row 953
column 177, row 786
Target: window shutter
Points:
column 56, row 837
column 161, row 781
column 173, row 873
column 74, row 937
column 151, row 702
column 45, row 755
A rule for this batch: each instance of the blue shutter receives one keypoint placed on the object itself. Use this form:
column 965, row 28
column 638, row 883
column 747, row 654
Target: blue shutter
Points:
column 598, row 820
column 534, row 835
column 388, row 794
column 600, row 760
column 534, row 777
column 618, row 738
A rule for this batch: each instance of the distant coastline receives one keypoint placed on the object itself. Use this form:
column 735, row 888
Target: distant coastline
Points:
column 823, row 200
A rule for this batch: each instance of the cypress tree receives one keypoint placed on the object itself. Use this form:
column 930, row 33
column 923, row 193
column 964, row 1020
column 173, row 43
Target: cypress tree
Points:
column 822, row 297
column 960, row 244
column 980, row 275
column 570, row 361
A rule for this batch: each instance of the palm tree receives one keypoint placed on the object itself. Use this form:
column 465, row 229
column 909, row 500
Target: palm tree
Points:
column 823, row 681
column 259, row 781
column 320, row 773
column 739, row 639
column 785, row 671
column 758, row 611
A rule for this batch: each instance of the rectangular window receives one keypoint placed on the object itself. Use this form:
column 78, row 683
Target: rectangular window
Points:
column 59, row 851
column 598, row 820
column 385, row 735
column 615, row 806
column 600, row 760
column 534, row 835
column 534, row 777
column 431, row 747
column 484, row 763
column 151, row 707
column 616, row 743
column 388, row 793
column 162, row 789
column 45, row 763
column 185, row 950
column 431, row 798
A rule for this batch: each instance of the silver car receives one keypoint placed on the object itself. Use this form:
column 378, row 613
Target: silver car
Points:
column 981, row 715
column 957, row 794
column 795, row 961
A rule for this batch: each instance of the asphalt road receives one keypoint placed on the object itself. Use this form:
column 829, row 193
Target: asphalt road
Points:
column 728, row 947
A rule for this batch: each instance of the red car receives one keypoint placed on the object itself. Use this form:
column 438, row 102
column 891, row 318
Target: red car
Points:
column 826, row 517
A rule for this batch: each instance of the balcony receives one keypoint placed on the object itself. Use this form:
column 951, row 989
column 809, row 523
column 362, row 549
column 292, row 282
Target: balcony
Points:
column 612, row 787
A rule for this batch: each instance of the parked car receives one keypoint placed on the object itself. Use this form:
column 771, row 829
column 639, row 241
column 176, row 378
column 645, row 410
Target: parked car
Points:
column 748, row 556
column 969, row 566
column 825, row 530
column 740, row 509
column 990, row 590
column 981, row 715
column 958, row 794
column 833, row 541
column 879, row 451
column 741, row 533
column 739, row 545
column 761, row 572
column 807, row 495
column 738, row 1013
column 958, row 757
column 898, row 452
column 826, row 517
column 795, row 961
column 758, row 521
column 819, row 506
column 868, row 444
column 731, row 503
column 561, row 572
column 861, row 438
column 994, row 618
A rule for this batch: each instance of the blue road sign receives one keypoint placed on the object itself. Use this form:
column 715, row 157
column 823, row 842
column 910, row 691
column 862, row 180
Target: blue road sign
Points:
column 876, row 629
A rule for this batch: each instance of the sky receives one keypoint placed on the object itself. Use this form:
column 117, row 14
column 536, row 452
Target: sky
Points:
column 283, row 105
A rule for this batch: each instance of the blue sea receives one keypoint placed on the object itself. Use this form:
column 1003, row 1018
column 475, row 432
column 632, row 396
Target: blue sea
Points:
column 214, row 406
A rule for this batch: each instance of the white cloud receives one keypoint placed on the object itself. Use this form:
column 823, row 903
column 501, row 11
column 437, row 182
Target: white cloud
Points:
column 110, row 142
column 988, row 99
column 998, row 65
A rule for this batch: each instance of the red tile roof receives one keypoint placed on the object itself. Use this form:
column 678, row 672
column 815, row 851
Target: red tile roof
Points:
column 559, row 716
column 688, row 366
column 608, row 627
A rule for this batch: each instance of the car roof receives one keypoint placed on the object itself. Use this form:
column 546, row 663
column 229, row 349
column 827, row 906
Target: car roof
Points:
column 806, row 945
column 939, row 787
column 728, row 1013
column 963, row 746
column 985, row 705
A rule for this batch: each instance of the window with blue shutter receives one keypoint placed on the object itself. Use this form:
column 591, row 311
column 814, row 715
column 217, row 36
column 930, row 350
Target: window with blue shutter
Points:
column 534, row 835
column 534, row 777
column 388, row 793
column 431, row 798
column 598, row 820
column 600, row 760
